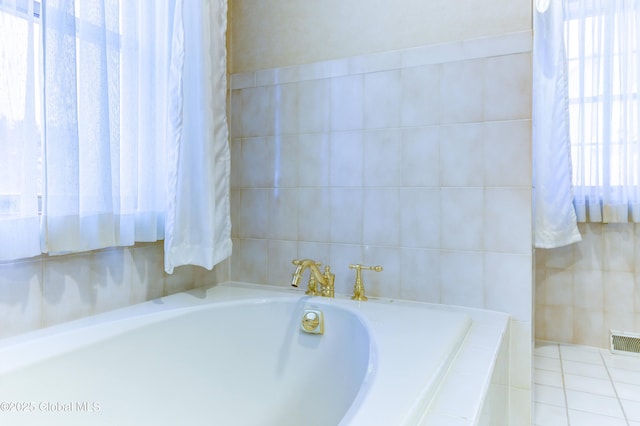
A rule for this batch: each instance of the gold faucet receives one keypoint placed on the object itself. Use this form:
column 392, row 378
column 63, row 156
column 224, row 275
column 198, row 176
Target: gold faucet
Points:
column 325, row 280
column 358, row 288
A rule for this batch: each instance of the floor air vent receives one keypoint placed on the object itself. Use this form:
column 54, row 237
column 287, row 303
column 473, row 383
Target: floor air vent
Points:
column 625, row 343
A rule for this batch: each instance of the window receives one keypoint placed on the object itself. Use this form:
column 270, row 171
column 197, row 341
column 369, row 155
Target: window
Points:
column 115, row 113
column 81, row 147
column 601, row 41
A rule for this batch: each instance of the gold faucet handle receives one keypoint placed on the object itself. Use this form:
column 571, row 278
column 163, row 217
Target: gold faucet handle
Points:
column 358, row 267
column 358, row 288
column 299, row 262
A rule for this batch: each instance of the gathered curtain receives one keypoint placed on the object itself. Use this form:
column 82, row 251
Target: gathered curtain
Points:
column 131, row 123
column 198, row 228
column 554, row 215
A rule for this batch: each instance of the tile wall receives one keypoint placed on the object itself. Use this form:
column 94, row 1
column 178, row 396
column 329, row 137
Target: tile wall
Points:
column 418, row 160
column 586, row 289
column 49, row 290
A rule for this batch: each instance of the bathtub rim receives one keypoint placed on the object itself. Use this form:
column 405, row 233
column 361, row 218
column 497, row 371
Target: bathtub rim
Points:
column 105, row 325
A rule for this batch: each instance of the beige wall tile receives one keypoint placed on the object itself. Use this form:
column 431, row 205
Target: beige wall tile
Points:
column 604, row 282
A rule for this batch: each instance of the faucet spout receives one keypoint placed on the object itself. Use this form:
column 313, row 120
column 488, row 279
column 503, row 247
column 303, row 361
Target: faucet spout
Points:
column 295, row 280
column 316, row 277
column 303, row 264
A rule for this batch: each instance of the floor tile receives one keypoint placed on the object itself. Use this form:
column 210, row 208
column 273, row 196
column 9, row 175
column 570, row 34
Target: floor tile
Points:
column 623, row 362
column 550, row 415
column 625, row 376
column 581, row 354
column 597, row 404
column 549, row 378
column 549, row 395
column 597, row 371
column 631, row 410
column 549, row 364
column 549, row 350
column 583, row 418
column 588, row 384
column 584, row 386
column 627, row 391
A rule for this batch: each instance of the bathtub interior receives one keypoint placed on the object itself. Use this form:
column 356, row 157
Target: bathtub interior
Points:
column 234, row 354
column 226, row 365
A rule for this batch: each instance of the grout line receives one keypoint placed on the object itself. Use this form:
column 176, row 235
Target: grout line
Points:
column 564, row 387
column 615, row 391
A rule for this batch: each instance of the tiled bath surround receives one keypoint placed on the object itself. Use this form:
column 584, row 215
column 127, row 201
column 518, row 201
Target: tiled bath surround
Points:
column 49, row 290
column 586, row 289
column 418, row 160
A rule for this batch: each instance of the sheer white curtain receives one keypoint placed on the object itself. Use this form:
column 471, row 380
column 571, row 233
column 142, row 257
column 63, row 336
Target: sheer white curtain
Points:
column 105, row 108
column 133, row 127
column 198, row 229
column 601, row 43
column 554, row 216
column 19, row 133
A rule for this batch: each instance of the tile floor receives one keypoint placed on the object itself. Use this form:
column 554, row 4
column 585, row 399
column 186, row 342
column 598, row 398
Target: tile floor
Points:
column 584, row 386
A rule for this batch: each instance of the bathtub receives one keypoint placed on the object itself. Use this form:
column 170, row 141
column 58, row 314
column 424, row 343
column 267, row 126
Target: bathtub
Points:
column 235, row 354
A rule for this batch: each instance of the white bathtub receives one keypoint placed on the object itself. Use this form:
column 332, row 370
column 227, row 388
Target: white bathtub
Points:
column 234, row 354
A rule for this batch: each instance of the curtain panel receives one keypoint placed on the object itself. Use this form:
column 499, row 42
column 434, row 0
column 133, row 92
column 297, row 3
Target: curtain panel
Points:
column 198, row 229
column 134, row 133
column 602, row 39
column 586, row 74
column 554, row 215
column 105, row 102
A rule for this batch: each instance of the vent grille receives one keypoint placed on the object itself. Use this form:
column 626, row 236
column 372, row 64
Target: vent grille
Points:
column 625, row 343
